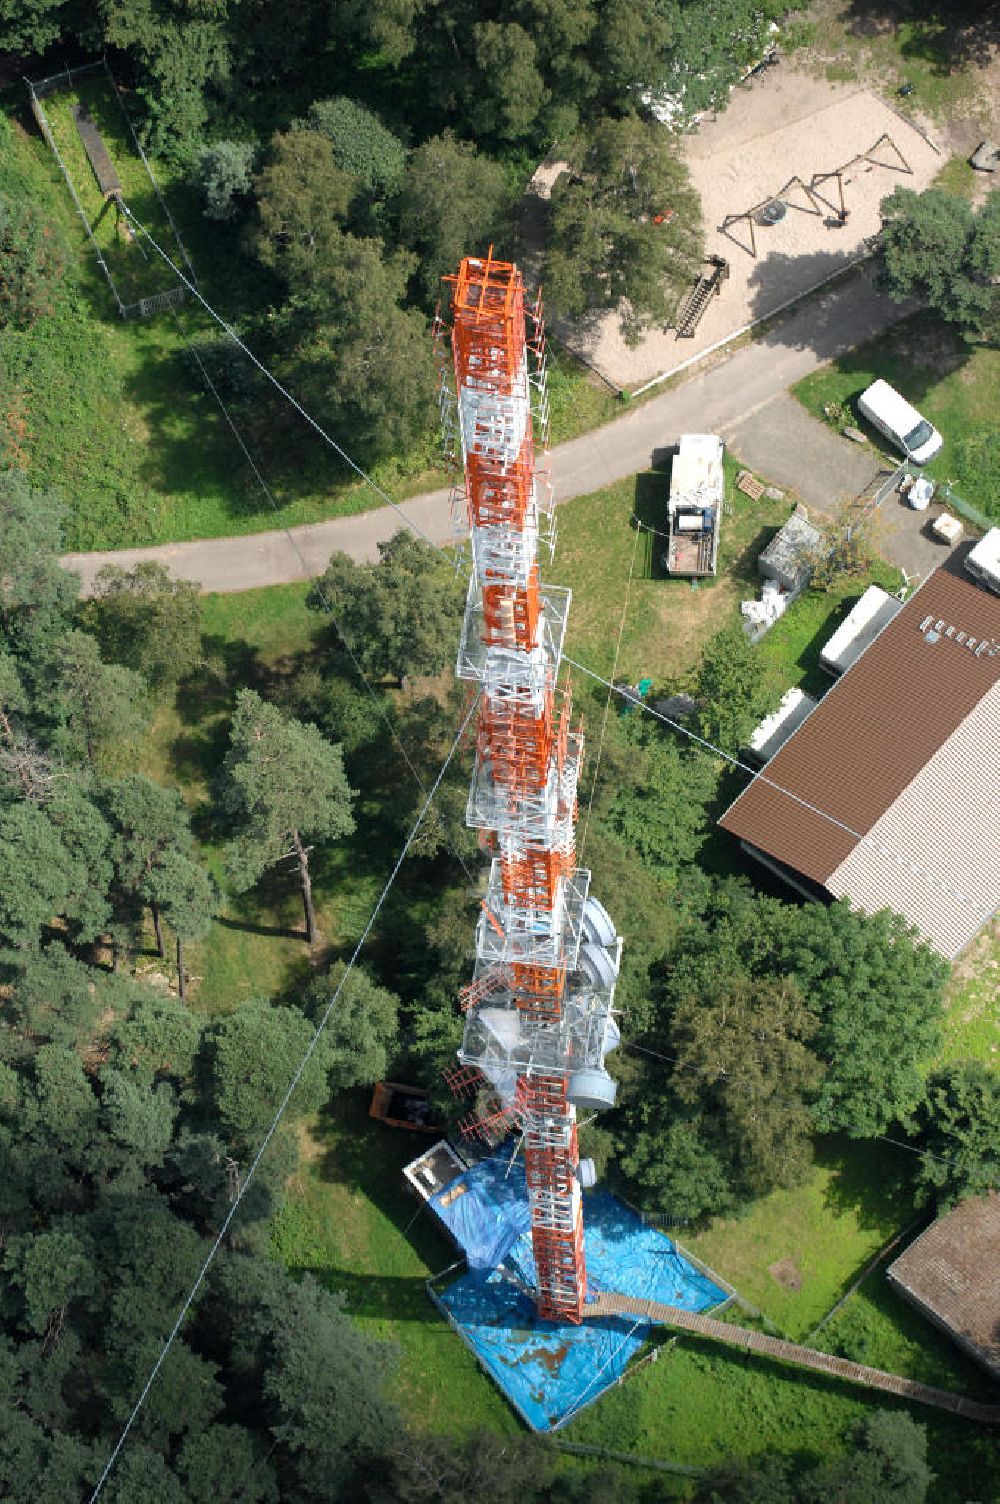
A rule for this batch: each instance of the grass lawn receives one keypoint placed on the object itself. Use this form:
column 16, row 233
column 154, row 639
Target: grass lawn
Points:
column 136, row 271
column 349, row 1221
column 952, row 383
column 797, row 1251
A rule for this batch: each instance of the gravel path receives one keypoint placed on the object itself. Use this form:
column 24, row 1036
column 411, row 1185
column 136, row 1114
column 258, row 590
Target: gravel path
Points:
column 718, row 399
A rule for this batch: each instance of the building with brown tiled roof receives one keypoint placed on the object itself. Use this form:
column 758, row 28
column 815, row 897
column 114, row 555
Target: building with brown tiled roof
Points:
column 887, row 794
column 952, row 1274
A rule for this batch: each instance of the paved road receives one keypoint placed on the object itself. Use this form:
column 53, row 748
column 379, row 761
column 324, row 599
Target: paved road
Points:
column 791, row 447
column 713, row 400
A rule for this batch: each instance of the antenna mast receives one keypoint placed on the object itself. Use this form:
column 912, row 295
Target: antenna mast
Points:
column 538, row 1010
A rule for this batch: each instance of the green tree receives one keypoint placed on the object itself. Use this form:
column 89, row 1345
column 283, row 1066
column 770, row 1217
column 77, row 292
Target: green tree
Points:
column 284, row 786
column 223, row 177
column 626, row 227
column 36, row 593
column 30, row 26
column 148, row 822
column 508, row 94
column 226, row 1465
column 765, row 1480
column 355, row 354
column 888, row 1462
column 658, row 796
column 52, row 865
column 483, row 1468
column 51, row 998
column 734, row 688
column 675, row 1166
column 362, row 1026
column 936, row 247
column 362, row 145
column 148, row 621
column 877, row 992
column 50, row 1269
column 742, row 1051
column 959, row 1126
column 302, row 197
column 400, row 616
column 178, row 50
column 188, row 899
column 32, row 262
column 453, row 202
column 98, row 708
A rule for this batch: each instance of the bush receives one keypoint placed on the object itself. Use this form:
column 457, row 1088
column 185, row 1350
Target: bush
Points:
column 362, row 145
column 32, row 260
column 223, row 174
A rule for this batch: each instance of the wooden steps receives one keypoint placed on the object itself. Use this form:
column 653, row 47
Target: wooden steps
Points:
column 610, row 1304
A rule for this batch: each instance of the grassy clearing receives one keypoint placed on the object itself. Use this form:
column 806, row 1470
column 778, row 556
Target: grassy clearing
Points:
column 255, row 945
column 958, row 176
column 952, row 383
column 934, row 55
column 797, row 1251
column 135, row 270
column 349, row 1221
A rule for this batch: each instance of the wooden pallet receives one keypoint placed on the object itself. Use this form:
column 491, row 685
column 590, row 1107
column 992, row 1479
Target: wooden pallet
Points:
column 751, row 487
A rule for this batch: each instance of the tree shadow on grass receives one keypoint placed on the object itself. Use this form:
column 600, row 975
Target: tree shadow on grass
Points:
column 871, row 1180
column 650, row 512
column 385, row 1297
column 249, row 927
column 947, row 35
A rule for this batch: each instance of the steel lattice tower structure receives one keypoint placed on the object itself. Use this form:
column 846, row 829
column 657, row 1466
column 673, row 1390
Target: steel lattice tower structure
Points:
column 538, row 1011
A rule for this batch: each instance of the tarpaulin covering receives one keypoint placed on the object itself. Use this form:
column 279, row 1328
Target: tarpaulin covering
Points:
column 549, row 1371
column 486, row 1210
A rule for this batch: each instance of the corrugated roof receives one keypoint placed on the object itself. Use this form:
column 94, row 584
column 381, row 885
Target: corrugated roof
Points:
column 953, row 1271
column 869, row 739
column 949, row 793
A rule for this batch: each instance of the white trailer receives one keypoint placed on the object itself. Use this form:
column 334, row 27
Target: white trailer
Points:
column 694, row 507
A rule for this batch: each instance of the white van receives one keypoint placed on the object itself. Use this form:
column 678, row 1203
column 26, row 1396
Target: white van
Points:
column 902, row 425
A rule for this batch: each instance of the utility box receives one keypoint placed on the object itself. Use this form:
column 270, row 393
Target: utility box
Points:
column 694, row 507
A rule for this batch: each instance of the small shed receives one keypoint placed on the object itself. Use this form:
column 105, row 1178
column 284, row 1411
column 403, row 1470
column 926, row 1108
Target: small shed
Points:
column 951, row 1273
column 789, row 558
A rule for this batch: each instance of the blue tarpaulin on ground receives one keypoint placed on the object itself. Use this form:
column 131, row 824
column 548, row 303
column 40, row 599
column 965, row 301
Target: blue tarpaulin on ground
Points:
column 486, row 1210
column 548, row 1371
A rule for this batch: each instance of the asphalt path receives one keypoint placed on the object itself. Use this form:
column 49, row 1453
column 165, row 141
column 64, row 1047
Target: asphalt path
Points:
column 715, row 399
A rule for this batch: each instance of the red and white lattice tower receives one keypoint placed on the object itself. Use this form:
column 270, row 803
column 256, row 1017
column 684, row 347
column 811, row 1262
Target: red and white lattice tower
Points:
column 538, row 1017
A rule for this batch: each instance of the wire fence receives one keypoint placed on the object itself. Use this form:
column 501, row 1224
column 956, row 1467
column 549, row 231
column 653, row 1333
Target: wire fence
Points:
column 42, row 121
column 943, row 491
column 41, row 88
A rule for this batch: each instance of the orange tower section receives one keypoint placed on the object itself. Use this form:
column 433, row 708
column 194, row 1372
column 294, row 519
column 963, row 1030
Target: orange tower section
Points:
column 538, row 1016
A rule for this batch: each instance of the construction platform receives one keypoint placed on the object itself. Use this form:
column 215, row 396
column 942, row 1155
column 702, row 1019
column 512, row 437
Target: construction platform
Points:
column 548, row 1371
